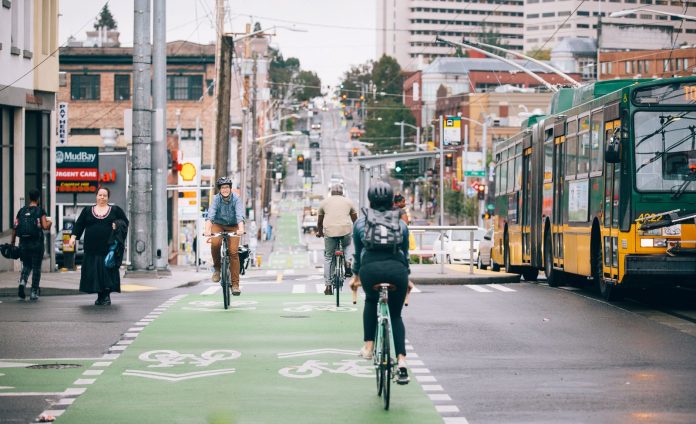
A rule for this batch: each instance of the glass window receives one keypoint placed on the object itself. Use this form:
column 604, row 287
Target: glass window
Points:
column 571, row 126
column 571, row 149
column 503, row 177
column 597, row 143
column 6, row 168
column 548, row 156
column 518, row 173
column 122, row 89
column 584, row 146
column 511, row 175
column 85, row 87
column 184, row 87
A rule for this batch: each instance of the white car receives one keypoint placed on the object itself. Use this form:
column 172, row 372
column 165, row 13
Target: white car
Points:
column 484, row 254
column 456, row 246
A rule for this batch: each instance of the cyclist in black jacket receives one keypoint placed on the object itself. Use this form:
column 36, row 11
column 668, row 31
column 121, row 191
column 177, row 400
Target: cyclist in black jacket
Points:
column 373, row 267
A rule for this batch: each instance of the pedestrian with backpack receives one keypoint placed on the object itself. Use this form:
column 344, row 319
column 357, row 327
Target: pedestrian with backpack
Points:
column 30, row 223
column 381, row 256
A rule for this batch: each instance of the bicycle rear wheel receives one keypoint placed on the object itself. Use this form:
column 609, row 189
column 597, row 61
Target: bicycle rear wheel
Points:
column 387, row 365
column 377, row 360
column 338, row 283
column 225, row 282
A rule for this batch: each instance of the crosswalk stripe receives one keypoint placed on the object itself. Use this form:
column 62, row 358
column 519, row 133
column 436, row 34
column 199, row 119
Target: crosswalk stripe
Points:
column 320, row 287
column 415, row 290
column 501, row 288
column 299, row 288
column 478, row 288
column 210, row 290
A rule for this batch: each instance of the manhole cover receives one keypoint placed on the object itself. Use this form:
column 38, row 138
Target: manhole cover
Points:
column 294, row 316
column 53, row 366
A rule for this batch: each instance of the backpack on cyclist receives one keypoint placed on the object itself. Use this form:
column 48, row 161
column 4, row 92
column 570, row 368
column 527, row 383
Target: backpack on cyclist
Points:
column 382, row 230
column 28, row 226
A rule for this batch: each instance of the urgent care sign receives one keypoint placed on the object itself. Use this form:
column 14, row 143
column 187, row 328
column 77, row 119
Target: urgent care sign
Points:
column 77, row 169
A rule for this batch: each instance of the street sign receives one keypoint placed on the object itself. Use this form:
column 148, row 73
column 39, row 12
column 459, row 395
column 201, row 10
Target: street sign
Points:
column 452, row 131
column 490, row 206
column 62, row 123
column 77, row 169
column 473, row 173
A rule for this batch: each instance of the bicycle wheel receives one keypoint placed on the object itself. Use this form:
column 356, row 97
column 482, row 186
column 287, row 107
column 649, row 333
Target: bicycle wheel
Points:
column 387, row 364
column 337, row 283
column 225, row 282
column 377, row 360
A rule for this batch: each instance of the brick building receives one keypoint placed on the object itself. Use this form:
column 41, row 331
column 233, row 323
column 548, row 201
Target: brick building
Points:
column 647, row 63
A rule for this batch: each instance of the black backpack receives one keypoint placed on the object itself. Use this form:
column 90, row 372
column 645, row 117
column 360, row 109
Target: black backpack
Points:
column 382, row 230
column 28, row 223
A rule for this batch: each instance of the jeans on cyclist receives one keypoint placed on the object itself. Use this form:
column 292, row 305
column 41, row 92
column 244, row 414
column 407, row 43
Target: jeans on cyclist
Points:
column 216, row 243
column 384, row 271
column 330, row 244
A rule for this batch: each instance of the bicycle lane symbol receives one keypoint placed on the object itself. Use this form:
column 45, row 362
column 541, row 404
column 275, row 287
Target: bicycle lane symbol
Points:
column 317, row 306
column 312, row 368
column 171, row 359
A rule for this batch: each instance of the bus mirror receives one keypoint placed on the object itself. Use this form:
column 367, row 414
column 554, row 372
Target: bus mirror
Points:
column 613, row 151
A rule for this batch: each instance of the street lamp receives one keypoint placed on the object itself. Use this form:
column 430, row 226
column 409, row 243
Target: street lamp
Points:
column 484, row 126
column 625, row 12
column 402, row 124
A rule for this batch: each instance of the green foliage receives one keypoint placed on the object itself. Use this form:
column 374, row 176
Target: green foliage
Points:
column 308, row 85
column 540, row 54
column 459, row 206
column 386, row 75
column 380, row 128
column 356, row 81
column 106, row 19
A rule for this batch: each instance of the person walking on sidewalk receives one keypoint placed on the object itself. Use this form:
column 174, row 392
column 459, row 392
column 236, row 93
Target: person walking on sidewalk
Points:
column 30, row 222
column 97, row 222
column 336, row 217
column 225, row 214
column 400, row 204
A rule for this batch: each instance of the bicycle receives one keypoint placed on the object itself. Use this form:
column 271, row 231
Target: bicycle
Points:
column 225, row 267
column 381, row 355
column 338, row 269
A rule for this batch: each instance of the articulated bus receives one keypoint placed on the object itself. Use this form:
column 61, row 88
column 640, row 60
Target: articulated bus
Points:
column 603, row 187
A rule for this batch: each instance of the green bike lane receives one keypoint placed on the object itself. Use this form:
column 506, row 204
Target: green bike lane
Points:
column 271, row 358
column 288, row 252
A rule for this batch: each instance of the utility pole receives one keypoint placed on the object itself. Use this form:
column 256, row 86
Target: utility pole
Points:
column 254, row 153
column 140, row 183
column 160, row 245
column 222, row 95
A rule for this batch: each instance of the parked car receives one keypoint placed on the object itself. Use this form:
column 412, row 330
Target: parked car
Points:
column 309, row 223
column 58, row 248
column 456, row 244
column 485, row 259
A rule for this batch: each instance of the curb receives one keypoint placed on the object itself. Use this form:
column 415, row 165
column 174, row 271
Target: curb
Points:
column 57, row 291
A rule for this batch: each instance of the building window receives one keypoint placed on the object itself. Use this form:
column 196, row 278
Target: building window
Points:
column 122, row 89
column 85, row 87
column 6, row 168
column 184, row 87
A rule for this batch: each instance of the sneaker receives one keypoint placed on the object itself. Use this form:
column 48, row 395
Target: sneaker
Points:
column 236, row 291
column 34, row 294
column 402, row 376
column 216, row 277
column 20, row 290
column 328, row 291
column 365, row 354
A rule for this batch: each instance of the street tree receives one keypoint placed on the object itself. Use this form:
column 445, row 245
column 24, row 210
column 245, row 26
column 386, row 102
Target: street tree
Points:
column 386, row 75
column 459, row 206
column 106, row 19
column 308, row 85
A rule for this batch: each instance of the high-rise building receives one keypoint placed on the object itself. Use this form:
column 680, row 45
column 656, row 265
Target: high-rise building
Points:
column 406, row 30
column 548, row 22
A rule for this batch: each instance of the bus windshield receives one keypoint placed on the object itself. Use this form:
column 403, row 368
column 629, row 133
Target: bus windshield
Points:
column 665, row 149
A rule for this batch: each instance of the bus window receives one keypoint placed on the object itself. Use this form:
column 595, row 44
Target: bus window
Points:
column 571, row 151
column 597, row 143
column 511, row 174
column 503, row 177
column 548, row 156
column 584, row 146
column 518, row 173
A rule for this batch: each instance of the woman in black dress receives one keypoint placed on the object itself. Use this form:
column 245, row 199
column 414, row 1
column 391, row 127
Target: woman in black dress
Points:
column 97, row 222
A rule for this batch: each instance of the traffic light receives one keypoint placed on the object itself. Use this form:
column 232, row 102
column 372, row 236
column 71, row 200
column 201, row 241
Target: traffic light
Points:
column 448, row 159
column 486, row 215
column 308, row 167
column 300, row 162
column 318, row 153
column 481, row 190
column 355, row 151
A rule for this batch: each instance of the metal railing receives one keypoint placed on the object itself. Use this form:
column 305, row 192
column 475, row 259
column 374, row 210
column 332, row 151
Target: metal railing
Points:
column 419, row 230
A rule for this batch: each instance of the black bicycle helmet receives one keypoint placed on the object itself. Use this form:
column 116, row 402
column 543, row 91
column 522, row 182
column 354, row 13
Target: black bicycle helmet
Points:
column 223, row 181
column 380, row 195
column 10, row 251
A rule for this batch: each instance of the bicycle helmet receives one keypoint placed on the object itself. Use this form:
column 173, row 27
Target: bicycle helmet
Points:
column 380, row 195
column 10, row 251
column 223, row 181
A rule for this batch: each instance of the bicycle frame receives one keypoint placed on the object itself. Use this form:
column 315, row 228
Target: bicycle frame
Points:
column 383, row 360
column 225, row 267
column 338, row 266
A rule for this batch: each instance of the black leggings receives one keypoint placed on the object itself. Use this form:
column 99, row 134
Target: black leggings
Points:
column 32, row 256
column 388, row 271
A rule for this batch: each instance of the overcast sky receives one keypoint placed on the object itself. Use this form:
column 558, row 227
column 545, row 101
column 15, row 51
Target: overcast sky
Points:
column 338, row 33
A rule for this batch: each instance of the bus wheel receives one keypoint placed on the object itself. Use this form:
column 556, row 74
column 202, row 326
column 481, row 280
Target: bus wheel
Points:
column 530, row 274
column 551, row 275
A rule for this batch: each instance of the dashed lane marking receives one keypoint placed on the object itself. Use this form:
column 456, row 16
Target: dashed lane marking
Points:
column 478, row 289
column 501, row 287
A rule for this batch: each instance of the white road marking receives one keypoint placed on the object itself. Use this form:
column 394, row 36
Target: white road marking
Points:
column 432, row 388
column 501, row 288
column 210, row 290
column 446, row 408
column 439, row 397
column 420, row 370
column 299, row 288
column 478, row 288
column 320, row 288
column 455, row 420
column 426, row 379
column 93, row 372
column 84, row 381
